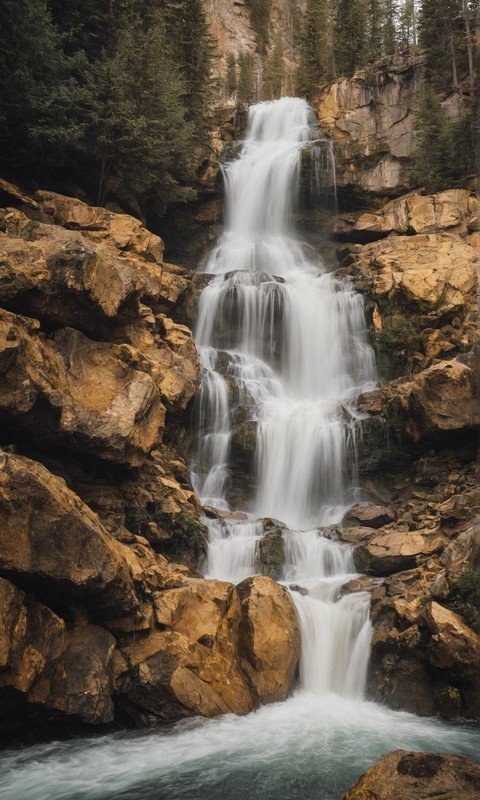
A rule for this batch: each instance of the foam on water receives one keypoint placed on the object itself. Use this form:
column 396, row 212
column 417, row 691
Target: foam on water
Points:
column 313, row 746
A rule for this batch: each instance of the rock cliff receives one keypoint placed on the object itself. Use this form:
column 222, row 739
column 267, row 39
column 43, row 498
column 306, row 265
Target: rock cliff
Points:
column 370, row 116
column 415, row 261
column 98, row 373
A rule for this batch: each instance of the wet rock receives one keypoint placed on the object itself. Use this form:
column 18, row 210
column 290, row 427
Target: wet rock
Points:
column 368, row 516
column 355, row 534
column 219, row 650
column 362, row 584
column 271, row 553
column 416, row 776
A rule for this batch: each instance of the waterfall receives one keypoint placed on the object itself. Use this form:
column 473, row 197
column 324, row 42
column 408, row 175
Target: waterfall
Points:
column 283, row 346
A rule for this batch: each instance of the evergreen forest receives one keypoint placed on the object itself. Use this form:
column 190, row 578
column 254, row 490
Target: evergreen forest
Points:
column 112, row 99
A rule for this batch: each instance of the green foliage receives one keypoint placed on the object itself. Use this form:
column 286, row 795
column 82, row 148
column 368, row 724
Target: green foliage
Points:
column 468, row 587
column 316, row 46
column 260, row 20
column 350, row 36
column 246, row 78
column 440, row 32
column 188, row 536
column 111, row 98
column 396, row 342
column 274, row 72
column 231, row 74
column 444, row 151
column 466, row 597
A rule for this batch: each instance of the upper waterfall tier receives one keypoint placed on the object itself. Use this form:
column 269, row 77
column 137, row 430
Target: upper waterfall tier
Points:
column 282, row 342
column 262, row 187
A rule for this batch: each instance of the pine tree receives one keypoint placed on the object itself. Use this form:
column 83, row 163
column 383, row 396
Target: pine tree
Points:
column 188, row 32
column 432, row 156
column 351, row 30
column 40, row 101
column 231, row 74
column 246, row 78
column 440, row 29
column 374, row 34
column 260, row 21
column 138, row 132
column 274, row 72
column 316, row 46
column 390, row 26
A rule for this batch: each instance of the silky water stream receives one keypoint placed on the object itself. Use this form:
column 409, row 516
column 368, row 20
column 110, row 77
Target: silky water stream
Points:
column 284, row 353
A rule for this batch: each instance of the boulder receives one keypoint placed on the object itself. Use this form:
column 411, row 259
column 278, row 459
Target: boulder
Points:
column 269, row 637
column 442, row 398
column 368, row 516
column 31, row 636
column 432, row 272
column 83, row 276
column 219, row 650
column 118, row 232
column 88, row 395
column 80, row 682
column 423, row 410
column 395, row 551
column 54, row 545
column 452, row 642
column 416, row 776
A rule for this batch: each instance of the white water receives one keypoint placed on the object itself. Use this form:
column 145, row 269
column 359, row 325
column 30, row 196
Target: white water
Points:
column 293, row 354
column 284, row 341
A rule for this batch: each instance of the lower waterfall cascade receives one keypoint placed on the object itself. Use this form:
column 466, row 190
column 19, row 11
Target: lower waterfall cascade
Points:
column 284, row 353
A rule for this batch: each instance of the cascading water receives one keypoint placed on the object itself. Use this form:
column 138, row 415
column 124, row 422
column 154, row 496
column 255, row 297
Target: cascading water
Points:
column 288, row 353
column 283, row 343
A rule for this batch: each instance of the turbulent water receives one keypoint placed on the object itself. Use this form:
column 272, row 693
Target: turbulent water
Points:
column 283, row 350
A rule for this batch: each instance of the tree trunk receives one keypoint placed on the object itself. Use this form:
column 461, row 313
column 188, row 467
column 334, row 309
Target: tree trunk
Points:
column 454, row 62
column 468, row 31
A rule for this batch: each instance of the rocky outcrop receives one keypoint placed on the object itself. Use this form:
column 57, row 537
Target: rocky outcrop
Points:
column 97, row 375
column 454, row 211
column 371, row 119
column 416, row 776
column 415, row 261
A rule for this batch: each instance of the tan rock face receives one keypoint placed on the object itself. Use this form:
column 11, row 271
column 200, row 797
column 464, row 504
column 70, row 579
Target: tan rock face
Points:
column 430, row 271
column 55, row 544
column 31, row 636
column 401, row 775
column 452, row 641
column 394, row 551
column 80, row 681
column 271, row 652
column 431, row 405
column 222, row 650
column 370, row 117
column 454, row 210
column 99, row 396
